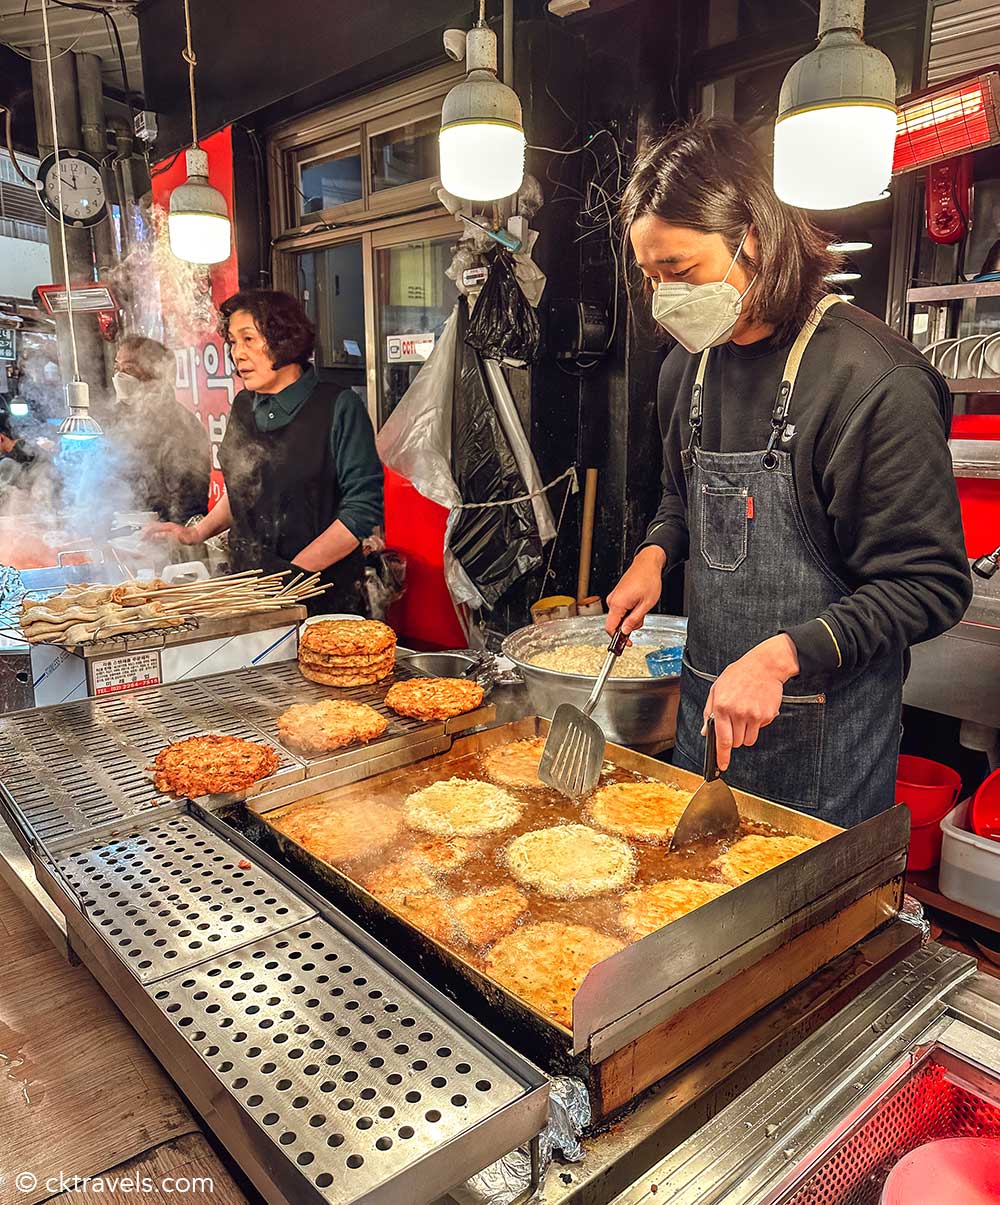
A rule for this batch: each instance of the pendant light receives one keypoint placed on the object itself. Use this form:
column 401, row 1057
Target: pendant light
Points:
column 79, row 424
column 198, row 220
column 836, row 128
column 481, row 143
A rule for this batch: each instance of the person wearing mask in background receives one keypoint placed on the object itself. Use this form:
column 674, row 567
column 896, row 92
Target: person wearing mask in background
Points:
column 806, row 482
column 23, row 463
column 164, row 450
column 303, row 479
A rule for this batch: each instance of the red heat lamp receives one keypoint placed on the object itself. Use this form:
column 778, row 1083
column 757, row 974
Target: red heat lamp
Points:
column 947, row 120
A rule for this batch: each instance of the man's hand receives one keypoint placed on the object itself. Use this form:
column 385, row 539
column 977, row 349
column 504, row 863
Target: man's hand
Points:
column 172, row 531
column 746, row 696
column 638, row 591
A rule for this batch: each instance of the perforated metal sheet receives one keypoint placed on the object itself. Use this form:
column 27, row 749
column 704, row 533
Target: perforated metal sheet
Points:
column 170, row 895
column 346, row 1071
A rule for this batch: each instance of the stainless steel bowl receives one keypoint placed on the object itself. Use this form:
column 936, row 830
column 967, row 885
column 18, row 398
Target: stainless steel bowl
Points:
column 638, row 712
column 440, row 665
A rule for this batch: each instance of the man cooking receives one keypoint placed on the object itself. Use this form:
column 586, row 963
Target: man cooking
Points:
column 303, row 479
column 806, row 482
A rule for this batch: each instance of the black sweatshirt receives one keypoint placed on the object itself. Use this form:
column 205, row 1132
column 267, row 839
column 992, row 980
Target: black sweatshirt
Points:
column 872, row 473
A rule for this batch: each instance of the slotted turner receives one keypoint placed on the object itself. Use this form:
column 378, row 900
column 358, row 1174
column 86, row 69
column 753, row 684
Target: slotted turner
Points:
column 712, row 811
column 574, row 749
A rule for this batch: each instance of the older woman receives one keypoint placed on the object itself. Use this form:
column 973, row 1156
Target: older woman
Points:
column 303, row 479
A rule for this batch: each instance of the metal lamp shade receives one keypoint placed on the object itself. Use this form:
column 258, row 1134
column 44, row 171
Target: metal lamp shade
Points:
column 198, row 220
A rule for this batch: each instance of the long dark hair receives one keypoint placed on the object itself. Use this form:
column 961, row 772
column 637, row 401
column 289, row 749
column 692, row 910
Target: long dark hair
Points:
column 280, row 318
column 708, row 176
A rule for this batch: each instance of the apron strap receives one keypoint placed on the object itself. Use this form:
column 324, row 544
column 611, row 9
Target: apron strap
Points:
column 697, row 393
column 783, row 402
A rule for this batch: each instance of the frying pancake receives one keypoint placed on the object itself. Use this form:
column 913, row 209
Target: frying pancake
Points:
column 441, row 854
column 515, row 764
column 646, row 811
column 398, row 880
column 358, row 677
column 342, row 831
column 461, row 807
column 751, row 856
column 427, row 912
column 544, row 964
column 490, row 914
column 347, row 637
column 434, row 698
column 650, row 908
column 212, row 765
column 570, row 861
column 330, row 724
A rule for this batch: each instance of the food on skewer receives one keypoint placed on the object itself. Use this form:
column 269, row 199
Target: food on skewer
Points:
column 434, row 698
column 212, row 765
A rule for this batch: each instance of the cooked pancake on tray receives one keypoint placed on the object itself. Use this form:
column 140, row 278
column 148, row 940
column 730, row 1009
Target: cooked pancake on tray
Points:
column 346, row 678
column 341, row 831
column 347, row 637
column 545, row 964
column 650, row 908
column 570, row 861
column 752, row 855
column 314, row 728
column 461, row 807
column 434, row 698
column 212, row 765
column 515, row 764
column 646, row 811
column 489, row 914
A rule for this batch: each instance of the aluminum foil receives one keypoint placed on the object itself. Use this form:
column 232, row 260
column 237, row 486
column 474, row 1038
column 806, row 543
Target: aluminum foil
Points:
column 504, row 1181
column 912, row 911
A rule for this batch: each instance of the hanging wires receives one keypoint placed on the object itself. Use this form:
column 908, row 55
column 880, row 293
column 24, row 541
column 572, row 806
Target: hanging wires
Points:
column 8, row 119
column 189, row 57
column 59, row 185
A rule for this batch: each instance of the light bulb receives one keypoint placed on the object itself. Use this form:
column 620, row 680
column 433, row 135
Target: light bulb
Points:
column 834, row 157
column 482, row 161
column 198, row 220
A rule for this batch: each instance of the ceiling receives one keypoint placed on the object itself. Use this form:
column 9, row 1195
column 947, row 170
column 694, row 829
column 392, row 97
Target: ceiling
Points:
column 70, row 28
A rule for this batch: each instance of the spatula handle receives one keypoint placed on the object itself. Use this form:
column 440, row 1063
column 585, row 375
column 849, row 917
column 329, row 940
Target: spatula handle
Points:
column 712, row 771
column 615, row 649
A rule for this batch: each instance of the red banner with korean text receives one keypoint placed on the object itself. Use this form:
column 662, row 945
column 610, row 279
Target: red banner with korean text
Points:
column 190, row 295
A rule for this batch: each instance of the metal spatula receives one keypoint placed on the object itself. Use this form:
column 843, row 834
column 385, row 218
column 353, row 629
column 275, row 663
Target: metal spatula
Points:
column 712, row 811
column 574, row 749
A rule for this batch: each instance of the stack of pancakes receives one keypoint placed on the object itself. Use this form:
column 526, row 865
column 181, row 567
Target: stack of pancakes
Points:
column 347, row 652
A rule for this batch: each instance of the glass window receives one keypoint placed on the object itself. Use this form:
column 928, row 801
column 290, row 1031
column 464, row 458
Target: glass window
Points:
column 328, row 182
column 405, row 154
column 331, row 285
column 413, row 300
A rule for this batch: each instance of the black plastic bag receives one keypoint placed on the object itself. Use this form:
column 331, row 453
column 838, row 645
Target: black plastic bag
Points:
column 496, row 545
column 503, row 325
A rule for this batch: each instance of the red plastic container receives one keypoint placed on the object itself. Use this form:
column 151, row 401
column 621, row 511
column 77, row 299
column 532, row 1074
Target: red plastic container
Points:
column 949, row 1171
column 930, row 790
column 925, row 846
column 984, row 811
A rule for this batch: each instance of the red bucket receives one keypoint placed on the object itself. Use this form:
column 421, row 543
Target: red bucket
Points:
column 963, row 1171
column 930, row 791
column 984, row 811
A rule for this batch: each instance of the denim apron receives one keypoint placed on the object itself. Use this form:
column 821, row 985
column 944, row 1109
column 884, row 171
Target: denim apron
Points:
column 752, row 572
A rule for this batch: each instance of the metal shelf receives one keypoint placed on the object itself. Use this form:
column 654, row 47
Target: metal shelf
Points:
column 974, row 385
column 968, row 290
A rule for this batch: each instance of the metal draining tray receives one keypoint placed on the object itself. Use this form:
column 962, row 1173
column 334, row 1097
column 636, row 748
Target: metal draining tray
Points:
column 331, row 1071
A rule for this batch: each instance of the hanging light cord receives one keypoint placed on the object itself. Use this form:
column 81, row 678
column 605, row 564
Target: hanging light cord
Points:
column 59, row 184
column 189, row 57
column 482, row 12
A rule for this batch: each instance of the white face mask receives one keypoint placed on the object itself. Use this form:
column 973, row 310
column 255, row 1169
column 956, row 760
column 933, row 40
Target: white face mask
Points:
column 700, row 316
column 127, row 389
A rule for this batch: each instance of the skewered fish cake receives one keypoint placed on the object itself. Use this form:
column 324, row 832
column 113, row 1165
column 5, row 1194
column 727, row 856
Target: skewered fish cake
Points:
column 570, row 861
column 461, row 807
column 544, row 964
column 515, row 764
column 342, row 831
column 212, row 765
column 434, row 698
column 487, row 915
column 751, row 856
column 645, row 811
column 650, row 908
column 314, row 728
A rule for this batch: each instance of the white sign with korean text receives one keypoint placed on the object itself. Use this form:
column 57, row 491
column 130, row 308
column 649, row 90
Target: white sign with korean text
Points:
column 127, row 672
column 409, row 349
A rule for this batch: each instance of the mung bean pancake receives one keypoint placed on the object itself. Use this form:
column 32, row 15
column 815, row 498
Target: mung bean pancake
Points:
column 341, row 831
column 570, row 861
column 461, row 807
column 347, row 637
column 425, row 911
column 489, row 914
column 433, row 698
column 346, row 678
column 515, row 764
column 650, row 908
column 212, row 765
column 645, row 811
column 544, row 964
column 397, row 880
column 441, row 854
column 314, row 728
column 751, row 856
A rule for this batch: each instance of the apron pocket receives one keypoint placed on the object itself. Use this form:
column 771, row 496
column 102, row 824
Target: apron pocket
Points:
column 786, row 763
column 724, row 526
